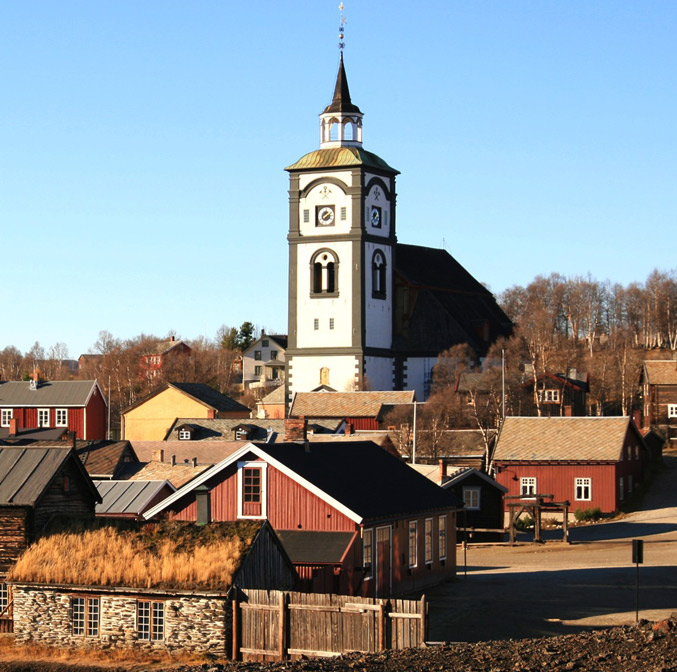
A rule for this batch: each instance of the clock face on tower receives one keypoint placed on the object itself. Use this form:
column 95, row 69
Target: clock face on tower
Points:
column 324, row 215
column 375, row 216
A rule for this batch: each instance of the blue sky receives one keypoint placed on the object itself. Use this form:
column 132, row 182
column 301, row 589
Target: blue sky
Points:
column 143, row 146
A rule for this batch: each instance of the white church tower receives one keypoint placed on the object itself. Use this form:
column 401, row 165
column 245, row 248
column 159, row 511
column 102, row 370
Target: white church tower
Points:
column 341, row 258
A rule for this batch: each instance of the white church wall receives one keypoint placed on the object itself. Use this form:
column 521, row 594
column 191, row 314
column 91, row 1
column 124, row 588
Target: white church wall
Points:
column 306, row 372
column 378, row 313
column 326, row 194
column 379, row 372
column 324, row 309
column 419, row 375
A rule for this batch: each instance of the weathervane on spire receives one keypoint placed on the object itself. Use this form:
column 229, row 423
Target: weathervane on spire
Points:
column 342, row 26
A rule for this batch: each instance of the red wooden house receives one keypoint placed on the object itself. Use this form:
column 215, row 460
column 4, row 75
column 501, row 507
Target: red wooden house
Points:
column 152, row 362
column 384, row 528
column 590, row 462
column 361, row 410
column 76, row 405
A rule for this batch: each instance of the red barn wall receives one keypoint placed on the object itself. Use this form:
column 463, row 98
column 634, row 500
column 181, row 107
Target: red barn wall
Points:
column 95, row 417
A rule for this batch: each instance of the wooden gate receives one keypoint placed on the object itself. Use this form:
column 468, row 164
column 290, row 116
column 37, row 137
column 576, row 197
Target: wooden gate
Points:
column 275, row 625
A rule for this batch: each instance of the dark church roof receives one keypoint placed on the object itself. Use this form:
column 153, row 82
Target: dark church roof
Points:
column 341, row 102
column 440, row 304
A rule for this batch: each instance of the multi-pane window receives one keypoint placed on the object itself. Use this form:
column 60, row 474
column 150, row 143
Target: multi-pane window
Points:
column 43, row 417
column 583, row 489
column 273, row 354
column 471, row 498
column 344, row 213
column 548, row 396
column 527, row 486
column 61, row 415
column 4, row 597
column 150, row 620
column 442, row 536
column 251, row 491
column 85, row 613
column 672, row 410
column 265, row 343
column 331, row 322
column 6, row 414
column 367, row 553
column 184, row 435
column 306, row 216
column 257, row 355
column 258, row 370
column 413, row 543
column 316, row 324
column 428, row 540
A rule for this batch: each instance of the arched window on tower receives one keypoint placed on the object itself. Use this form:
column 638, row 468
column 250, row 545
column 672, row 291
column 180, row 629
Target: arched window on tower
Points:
column 348, row 130
column 378, row 275
column 324, row 274
column 333, row 130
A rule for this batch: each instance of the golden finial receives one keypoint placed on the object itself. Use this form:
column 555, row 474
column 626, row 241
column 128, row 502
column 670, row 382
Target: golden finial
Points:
column 342, row 26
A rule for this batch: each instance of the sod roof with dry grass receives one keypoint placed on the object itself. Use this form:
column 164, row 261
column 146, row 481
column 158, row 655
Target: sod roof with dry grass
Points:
column 171, row 556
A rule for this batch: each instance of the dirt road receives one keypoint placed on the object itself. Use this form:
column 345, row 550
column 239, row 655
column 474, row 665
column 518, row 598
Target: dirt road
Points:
column 553, row 589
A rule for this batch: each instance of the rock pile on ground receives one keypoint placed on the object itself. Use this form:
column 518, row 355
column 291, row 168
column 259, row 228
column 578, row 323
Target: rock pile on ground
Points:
column 646, row 647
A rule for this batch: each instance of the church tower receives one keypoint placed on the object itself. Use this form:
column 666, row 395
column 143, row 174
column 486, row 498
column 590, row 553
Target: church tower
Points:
column 341, row 257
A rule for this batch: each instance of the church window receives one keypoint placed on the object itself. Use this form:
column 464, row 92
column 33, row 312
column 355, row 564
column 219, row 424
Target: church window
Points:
column 316, row 324
column 378, row 275
column 348, row 131
column 344, row 214
column 324, row 274
column 333, row 130
column 306, row 216
column 331, row 322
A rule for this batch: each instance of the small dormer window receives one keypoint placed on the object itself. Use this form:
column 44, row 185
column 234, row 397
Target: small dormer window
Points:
column 185, row 434
column 548, row 396
column 241, row 434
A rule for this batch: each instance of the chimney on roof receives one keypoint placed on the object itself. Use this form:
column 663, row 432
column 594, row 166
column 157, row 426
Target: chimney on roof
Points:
column 74, row 440
column 173, row 460
column 194, row 462
column 295, row 429
column 349, row 429
column 159, row 455
column 443, row 471
column 13, row 426
column 172, row 338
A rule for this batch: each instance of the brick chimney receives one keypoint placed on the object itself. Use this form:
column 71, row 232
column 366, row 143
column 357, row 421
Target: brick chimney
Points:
column 443, row 471
column 13, row 426
column 159, row 455
column 295, row 429
column 349, row 429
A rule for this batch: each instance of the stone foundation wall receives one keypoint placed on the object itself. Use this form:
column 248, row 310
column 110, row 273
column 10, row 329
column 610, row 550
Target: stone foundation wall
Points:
column 192, row 623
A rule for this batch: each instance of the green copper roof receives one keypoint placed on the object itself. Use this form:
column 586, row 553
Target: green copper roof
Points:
column 340, row 157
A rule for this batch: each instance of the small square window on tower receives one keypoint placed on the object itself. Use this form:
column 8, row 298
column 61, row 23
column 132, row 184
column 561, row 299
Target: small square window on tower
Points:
column 331, row 322
column 316, row 324
column 306, row 216
column 344, row 214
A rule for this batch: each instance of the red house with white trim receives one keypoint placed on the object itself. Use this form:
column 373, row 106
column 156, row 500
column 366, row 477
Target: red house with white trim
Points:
column 75, row 405
column 589, row 461
column 354, row 519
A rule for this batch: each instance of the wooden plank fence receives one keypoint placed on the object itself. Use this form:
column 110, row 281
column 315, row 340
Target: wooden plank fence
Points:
column 276, row 625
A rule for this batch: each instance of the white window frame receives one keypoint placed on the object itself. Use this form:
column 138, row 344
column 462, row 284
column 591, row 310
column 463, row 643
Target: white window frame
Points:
column 6, row 414
column 428, row 541
column 264, row 489
column 184, row 434
column 528, row 486
column 368, row 554
column 61, row 417
column 41, row 417
column 442, row 536
column 583, row 487
column 549, row 396
column 4, row 596
column 672, row 410
column 150, row 620
column 412, row 542
column 472, row 501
